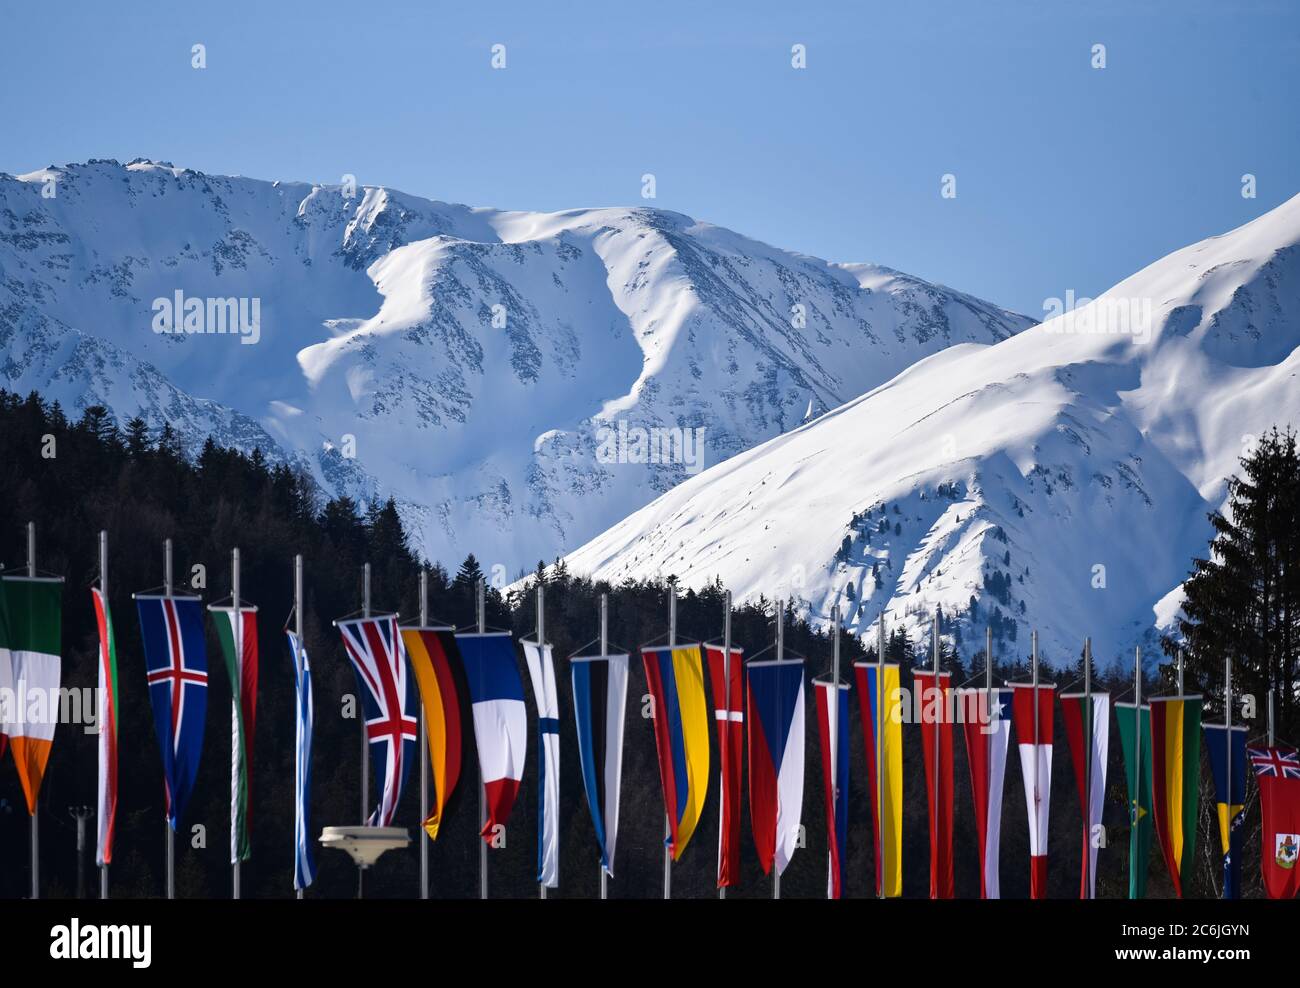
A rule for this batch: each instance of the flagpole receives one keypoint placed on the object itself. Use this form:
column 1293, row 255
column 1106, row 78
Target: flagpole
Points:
column 103, row 592
column 934, row 809
column 878, row 730
column 234, row 703
column 1087, row 733
column 724, row 745
column 988, row 735
column 668, row 826
column 36, row 808
column 1180, row 670
column 424, row 749
column 780, row 655
column 480, row 606
column 604, row 650
column 1137, row 751
column 365, row 765
column 297, row 628
column 541, row 754
column 1035, row 749
column 1270, row 717
column 833, row 720
column 1227, row 740
column 168, row 586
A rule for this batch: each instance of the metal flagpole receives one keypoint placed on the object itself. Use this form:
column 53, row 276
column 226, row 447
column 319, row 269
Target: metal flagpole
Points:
column 168, row 586
column 1227, row 740
column 604, row 650
column 365, row 765
column 878, row 722
column 36, row 811
column 541, row 645
column 234, row 704
column 297, row 620
column 1180, row 670
column 1087, row 760
column 989, row 700
column 424, row 750
column 1034, row 746
column 934, row 809
column 668, row 826
column 780, row 655
column 103, row 591
column 1137, row 752
column 1270, row 717
column 480, row 606
column 832, row 719
column 726, row 724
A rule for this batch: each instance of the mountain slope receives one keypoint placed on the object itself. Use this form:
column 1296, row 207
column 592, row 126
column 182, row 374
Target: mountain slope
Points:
column 461, row 360
column 1059, row 479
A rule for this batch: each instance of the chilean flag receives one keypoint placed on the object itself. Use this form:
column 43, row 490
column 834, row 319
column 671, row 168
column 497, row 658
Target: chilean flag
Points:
column 1036, row 767
column 496, row 693
column 776, row 759
column 833, row 731
column 987, row 735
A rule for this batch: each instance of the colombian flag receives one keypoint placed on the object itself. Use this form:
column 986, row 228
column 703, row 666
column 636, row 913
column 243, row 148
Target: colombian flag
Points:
column 675, row 677
column 1176, row 779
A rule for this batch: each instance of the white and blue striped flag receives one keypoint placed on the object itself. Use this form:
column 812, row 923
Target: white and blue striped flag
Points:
column 304, row 862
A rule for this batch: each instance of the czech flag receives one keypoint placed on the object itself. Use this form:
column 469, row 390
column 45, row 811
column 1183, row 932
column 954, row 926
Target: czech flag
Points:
column 675, row 677
column 776, row 759
column 496, row 693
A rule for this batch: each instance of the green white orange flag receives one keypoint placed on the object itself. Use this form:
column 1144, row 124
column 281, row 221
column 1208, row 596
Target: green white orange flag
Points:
column 1176, row 780
column 106, row 712
column 237, row 633
column 31, row 612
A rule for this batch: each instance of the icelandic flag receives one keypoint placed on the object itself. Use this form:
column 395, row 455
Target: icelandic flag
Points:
column 496, row 694
column 1089, row 749
column 304, row 860
column 541, row 672
column 833, row 730
column 729, row 712
column 675, row 677
column 1227, row 753
column 599, row 713
column 1036, row 769
column 176, row 661
column 776, row 759
column 987, row 736
column 388, row 700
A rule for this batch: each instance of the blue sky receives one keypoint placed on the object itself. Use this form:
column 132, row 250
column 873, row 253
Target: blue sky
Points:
column 1068, row 177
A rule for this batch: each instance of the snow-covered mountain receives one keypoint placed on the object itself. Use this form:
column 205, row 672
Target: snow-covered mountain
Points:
column 1059, row 479
column 461, row 360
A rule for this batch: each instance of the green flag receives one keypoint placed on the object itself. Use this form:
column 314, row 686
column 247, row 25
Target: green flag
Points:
column 1139, row 799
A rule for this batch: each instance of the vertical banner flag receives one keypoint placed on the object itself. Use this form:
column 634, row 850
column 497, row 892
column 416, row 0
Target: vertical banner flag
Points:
column 440, row 676
column 675, row 677
column 1087, row 731
column 304, row 856
column 237, row 634
column 1227, row 753
column 1134, row 735
column 776, row 759
column 176, row 663
column 987, row 729
column 31, row 644
column 729, row 712
column 1176, row 780
column 387, row 691
column 1036, row 769
column 106, row 787
column 496, row 694
column 880, row 698
column 833, row 732
column 599, row 714
column 1277, row 773
column 936, row 729
column 541, row 672
column 6, row 675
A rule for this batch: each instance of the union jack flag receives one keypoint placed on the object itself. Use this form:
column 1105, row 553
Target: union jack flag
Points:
column 388, row 699
column 1275, row 762
column 176, row 660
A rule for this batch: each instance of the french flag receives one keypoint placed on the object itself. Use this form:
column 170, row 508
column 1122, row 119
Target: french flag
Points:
column 496, row 693
column 776, row 759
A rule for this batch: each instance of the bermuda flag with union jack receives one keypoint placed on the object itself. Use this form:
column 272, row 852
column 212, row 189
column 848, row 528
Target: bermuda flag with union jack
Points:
column 1277, row 773
column 176, row 661
column 388, row 698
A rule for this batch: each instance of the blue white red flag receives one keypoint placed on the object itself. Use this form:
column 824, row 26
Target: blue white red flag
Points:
column 304, row 859
column 496, row 694
column 776, row 759
column 987, row 733
column 833, row 731
column 176, row 661
column 388, row 700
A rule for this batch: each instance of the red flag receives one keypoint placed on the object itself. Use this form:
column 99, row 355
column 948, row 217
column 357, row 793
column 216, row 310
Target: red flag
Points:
column 1036, row 769
column 1277, row 771
column 936, row 728
column 729, row 707
column 1087, row 732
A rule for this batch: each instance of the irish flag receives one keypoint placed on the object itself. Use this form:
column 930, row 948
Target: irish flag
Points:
column 30, row 642
column 237, row 633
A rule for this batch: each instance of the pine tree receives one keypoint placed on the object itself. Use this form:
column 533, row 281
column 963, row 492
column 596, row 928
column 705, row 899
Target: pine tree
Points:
column 1244, row 600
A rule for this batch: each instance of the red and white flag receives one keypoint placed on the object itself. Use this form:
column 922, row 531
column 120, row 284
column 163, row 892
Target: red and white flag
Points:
column 1089, row 760
column 987, row 734
column 936, row 740
column 729, row 710
column 1277, row 773
column 1032, row 718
